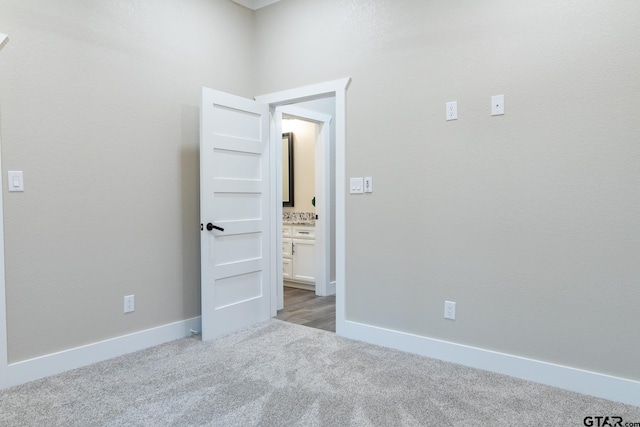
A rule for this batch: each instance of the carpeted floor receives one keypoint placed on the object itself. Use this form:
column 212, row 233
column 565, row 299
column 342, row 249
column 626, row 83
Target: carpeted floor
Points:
column 282, row 374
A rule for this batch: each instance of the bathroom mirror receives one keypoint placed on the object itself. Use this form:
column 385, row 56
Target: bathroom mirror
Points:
column 287, row 169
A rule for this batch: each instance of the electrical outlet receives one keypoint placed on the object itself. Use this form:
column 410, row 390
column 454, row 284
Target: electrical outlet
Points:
column 450, row 310
column 129, row 303
column 368, row 184
column 497, row 105
column 452, row 110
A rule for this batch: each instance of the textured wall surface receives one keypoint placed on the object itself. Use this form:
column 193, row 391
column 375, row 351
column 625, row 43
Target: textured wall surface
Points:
column 100, row 109
column 529, row 221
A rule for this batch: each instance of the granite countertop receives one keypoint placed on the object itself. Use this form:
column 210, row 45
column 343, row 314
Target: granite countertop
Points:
column 312, row 223
column 299, row 218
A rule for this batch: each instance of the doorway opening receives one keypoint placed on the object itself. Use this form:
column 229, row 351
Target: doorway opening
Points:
column 308, row 289
column 304, row 307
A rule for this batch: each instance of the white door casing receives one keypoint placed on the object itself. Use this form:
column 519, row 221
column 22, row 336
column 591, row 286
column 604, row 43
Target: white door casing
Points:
column 234, row 196
column 337, row 89
column 4, row 357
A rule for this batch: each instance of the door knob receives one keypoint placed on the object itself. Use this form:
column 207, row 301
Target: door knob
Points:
column 211, row 227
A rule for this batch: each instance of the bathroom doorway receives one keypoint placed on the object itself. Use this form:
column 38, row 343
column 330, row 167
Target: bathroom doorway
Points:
column 308, row 287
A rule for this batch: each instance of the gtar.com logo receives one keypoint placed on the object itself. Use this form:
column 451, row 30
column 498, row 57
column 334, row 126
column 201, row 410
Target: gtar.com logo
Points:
column 603, row 421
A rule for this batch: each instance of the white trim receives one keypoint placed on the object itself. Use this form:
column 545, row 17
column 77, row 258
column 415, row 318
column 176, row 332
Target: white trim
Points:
column 255, row 4
column 55, row 363
column 4, row 348
column 581, row 381
column 337, row 88
column 305, row 93
column 277, row 292
column 341, row 211
column 303, row 113
column 331, row 289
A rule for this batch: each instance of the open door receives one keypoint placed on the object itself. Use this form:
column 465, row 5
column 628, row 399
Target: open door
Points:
column 234, row 213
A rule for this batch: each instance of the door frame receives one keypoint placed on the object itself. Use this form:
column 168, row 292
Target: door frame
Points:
column 337, row 89
column 4, row 356
column 322, row 194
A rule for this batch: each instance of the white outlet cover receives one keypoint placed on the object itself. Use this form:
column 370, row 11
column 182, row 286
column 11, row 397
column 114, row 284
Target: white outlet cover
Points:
column 450, row 310
column 129, row 303
column 368, row 184
column 451, row 110
column 497, row 105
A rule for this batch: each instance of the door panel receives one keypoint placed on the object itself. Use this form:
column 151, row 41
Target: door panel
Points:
column 234, row 195
column 238, row 247
column 237, row 165
column 236, row 289
column 232, row 205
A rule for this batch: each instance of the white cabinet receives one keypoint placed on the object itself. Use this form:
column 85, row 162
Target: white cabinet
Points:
column 287, row 271
column 304, row 260
column 299, row 253
column 287, row 245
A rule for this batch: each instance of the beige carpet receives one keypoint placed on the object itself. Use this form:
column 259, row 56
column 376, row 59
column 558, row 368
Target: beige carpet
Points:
column 282, row 374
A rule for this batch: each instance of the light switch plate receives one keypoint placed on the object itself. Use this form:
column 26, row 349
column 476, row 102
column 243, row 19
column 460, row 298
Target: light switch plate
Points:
column 368, row 184
column 357, row 185
column 15, row 180
column 497, row 105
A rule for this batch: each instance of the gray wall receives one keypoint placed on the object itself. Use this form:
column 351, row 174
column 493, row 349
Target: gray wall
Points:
column 529, row 221
column 100, row 109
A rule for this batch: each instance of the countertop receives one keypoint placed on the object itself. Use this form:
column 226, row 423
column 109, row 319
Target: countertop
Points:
column 311, row 223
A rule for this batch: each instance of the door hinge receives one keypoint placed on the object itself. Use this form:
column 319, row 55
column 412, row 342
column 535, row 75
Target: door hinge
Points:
column 201, row 227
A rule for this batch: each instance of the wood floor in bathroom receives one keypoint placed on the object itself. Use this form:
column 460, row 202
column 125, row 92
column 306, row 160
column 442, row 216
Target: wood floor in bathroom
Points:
column 306, row 308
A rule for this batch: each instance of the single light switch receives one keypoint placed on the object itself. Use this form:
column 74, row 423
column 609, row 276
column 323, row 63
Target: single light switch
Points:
column 356, row 185
column 15, row 181
column 368, row 184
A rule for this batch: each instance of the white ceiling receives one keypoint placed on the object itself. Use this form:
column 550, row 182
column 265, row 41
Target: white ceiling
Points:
column 255, row 4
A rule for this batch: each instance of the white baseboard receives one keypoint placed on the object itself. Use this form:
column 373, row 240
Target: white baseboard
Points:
column 585, row 382
column 55, row 363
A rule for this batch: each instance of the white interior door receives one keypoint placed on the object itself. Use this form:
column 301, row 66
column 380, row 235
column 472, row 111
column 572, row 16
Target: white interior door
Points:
column 234, row 212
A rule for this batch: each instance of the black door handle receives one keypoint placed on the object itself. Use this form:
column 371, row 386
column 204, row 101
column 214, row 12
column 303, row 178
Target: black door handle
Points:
column 211, row 227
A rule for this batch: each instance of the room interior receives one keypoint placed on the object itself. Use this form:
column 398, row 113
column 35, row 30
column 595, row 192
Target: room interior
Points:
column 527, row 220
